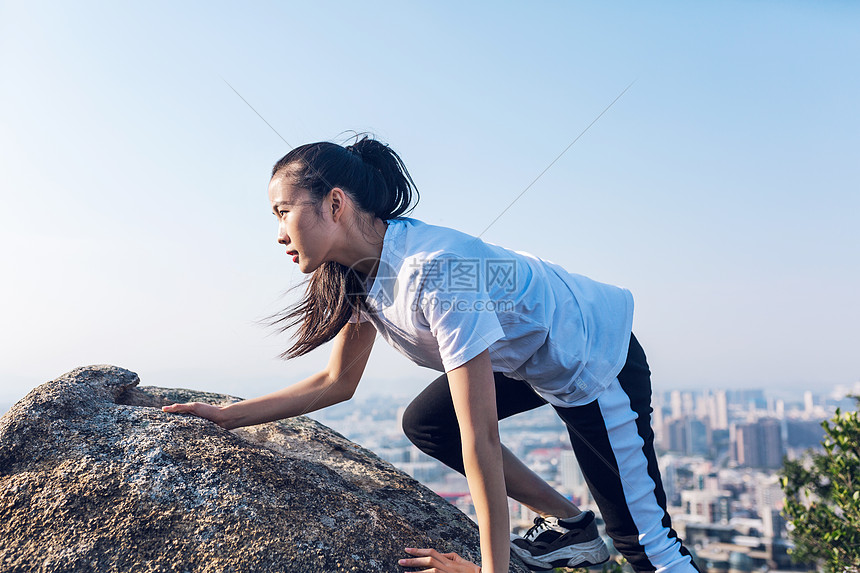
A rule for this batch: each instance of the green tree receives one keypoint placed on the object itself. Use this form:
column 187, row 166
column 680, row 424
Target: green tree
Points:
column 822, row 502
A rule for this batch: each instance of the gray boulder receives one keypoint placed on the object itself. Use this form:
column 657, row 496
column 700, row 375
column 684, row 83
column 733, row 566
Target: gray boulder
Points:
column 95, row 477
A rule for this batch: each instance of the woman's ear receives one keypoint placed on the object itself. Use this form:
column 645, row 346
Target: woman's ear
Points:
column 338, row 203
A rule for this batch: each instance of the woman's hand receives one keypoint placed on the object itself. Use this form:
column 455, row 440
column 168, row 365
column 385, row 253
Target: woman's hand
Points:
column 435, row 562
column 207, row 411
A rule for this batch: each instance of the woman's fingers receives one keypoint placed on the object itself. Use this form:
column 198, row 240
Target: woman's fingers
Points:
column 200, row 409
column 455, row 558
column 435, row 562
column 430, row 559
column 187, row 408
column 175, row 408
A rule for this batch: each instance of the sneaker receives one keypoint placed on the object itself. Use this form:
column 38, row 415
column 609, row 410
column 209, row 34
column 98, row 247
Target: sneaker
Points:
column 554, row 542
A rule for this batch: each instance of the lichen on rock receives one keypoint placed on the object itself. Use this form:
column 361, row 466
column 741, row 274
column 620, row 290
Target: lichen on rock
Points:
column 95, row 477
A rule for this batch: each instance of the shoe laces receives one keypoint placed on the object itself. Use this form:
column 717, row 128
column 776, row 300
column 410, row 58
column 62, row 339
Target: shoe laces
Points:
column 541, row 524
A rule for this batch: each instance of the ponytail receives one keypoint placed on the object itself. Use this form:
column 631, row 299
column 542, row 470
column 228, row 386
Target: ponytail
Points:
column 377, row 181
column 386, row 164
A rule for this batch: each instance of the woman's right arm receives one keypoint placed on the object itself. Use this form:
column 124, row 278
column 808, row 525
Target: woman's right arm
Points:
column 335, row 384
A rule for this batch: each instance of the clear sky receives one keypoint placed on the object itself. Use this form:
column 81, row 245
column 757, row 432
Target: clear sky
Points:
column 721, row 189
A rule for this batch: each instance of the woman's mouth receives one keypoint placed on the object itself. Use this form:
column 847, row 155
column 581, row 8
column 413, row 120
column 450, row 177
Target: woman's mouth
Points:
column 295, row 258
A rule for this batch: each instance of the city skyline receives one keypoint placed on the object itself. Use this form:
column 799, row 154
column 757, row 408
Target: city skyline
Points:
column 380, row 390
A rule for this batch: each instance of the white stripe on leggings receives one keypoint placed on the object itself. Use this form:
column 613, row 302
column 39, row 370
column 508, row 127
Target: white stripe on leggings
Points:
column 620, row 419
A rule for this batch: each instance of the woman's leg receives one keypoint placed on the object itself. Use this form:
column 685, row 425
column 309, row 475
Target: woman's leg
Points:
column 614, row 445
column 431, row 424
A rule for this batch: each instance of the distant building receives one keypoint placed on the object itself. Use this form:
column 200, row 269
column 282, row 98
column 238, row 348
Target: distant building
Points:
column 675, row 436
column 687, row 404
column 687, row 436
column 707, row 506
column 722, row 512
column 718, row 410
column 669, row 475
column 676, row 404
column 572, row 481
column 657, row 419
column 759, row 444
column 697, row 438
column 753, row 399
column 571, row 475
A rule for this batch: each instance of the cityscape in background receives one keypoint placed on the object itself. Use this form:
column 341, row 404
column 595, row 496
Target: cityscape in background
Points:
column 719, row 453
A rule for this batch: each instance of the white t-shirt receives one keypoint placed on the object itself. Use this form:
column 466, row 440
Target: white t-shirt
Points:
column 441, row 297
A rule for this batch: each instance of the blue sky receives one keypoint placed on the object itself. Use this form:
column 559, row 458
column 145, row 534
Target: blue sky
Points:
column 721, row 189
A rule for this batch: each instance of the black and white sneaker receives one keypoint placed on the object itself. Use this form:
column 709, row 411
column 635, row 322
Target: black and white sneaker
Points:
column 553, row 542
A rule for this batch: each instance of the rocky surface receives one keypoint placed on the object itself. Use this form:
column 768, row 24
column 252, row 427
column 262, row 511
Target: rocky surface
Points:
column 95, row 477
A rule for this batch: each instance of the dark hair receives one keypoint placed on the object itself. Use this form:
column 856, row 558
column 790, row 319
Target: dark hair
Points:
column 377, row 181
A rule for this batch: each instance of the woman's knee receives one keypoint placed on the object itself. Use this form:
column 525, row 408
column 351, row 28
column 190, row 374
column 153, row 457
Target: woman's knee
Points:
column 431, row 413
column 428, row 426
column 413, row 422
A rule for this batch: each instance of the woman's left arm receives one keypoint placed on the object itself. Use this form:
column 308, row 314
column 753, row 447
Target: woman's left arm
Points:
column 473, row 391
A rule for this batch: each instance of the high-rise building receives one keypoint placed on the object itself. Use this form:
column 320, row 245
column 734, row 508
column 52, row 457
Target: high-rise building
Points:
column 703, row 405
column 676, row 435
column 771, row 432
column 808, row 403
column 697, row 438
column 718, row 410
column 751, row 398
column 571, row 475
column 572, row 481
column 676, row 404
column 669, row 474
column 687, row 403
column 657, row 419
column 687, row 436
column 759, row 444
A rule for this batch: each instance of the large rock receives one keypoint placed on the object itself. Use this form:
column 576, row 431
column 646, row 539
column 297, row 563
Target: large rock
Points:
column 95, row 477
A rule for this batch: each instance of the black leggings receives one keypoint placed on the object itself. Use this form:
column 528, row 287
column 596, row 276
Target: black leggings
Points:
column 613, row 428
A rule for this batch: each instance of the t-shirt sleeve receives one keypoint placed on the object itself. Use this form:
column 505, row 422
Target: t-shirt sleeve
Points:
column 464, row 323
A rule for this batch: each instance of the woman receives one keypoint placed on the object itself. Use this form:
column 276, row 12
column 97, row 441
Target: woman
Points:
column 509, row 331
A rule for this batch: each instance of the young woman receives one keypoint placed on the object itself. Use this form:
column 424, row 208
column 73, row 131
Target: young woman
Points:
column 509, row 331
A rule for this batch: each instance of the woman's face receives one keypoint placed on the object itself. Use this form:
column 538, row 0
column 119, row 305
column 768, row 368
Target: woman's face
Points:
column 301, row 229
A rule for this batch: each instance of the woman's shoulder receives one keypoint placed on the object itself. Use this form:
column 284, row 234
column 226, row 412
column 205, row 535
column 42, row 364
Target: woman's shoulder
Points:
column 419, row 226
column 417, row 238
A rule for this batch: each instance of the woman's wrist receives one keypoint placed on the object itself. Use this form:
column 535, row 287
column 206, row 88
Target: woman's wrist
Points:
column 227, row 418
